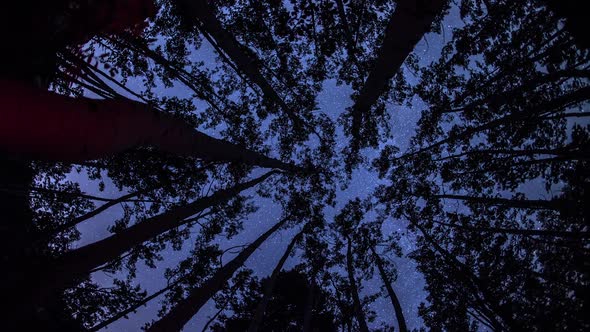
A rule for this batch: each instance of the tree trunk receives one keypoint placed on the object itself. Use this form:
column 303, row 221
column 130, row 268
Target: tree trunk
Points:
column 525, row 232
column 309, row 304
column 108, row 17
column 506, row 97
column 540, row 204
column 547, row 108
column 203, row 90
column 399, row 314
column 91, row 256
column 408, row 24
column 185, row 309
column 561, row 152
column 576, row 19
column 45, row 125
column 478, row 287
column 350, row 44
column 261, row 308
column 358, row 309
column 246, row 62
column 74, row 222
column 131, row 309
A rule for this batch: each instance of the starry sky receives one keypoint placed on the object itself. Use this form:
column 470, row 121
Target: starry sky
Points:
column 333, row 100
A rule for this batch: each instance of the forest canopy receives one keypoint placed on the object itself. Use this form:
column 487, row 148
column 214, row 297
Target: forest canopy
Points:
column 297, row 165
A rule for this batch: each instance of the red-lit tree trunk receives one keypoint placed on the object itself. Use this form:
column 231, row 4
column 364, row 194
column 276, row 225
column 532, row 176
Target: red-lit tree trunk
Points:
column 41, row 124
column 182, row 312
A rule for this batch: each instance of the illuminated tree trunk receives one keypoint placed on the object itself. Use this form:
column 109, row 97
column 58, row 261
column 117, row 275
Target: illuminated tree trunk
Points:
column 41, row 124
column 182, row 312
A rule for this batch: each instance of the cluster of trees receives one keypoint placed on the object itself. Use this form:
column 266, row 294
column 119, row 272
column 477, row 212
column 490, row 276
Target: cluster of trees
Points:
column 494, row 186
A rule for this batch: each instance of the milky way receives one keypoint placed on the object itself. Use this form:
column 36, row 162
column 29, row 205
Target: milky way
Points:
column 333, row 100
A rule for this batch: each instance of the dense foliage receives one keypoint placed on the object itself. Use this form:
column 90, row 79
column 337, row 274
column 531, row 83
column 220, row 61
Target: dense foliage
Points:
column 220, row 102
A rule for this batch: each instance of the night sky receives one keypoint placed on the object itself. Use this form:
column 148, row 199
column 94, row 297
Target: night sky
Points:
column 333, row 100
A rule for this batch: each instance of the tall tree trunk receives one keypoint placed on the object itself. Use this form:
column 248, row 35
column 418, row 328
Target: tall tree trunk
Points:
column 572, row 153
column 524, row 232
column 245, row 61
column 410, row 21
column 82, row 260
column 478, row 287
column 576, row 19
column 506, row 97
column 261, row 308
column 309, row 304
column 203, row 90
column 132, row 308
column 42, row 124
column 538, row 204
column 74, row 222
column 108, row 17
column 358, row 308
column 350, row 44
column 399, row 314
column 546, row 108
column 185, row 309
column 15, row 238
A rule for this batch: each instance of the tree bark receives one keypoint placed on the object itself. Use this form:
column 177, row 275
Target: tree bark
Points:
column 41, row 124
column 131, row 309
column 525, row 232
column 261, row 308
column 537, row 204
column 203, row 90
column 246, row 62
column 561, row 152
column 506, row 96
column 358, row 309
column 547, row 108
column 182, row 312
column 408, row 24
column 91, row 256
column 399, row 314
column 350, row 44
column 74, row 222
column 308, row 314
column 478, row 287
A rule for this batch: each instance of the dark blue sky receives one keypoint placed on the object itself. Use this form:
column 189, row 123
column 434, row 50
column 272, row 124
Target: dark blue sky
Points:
column 333, row 100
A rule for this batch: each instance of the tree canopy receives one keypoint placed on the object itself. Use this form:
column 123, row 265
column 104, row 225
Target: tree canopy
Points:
column 156, row 153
